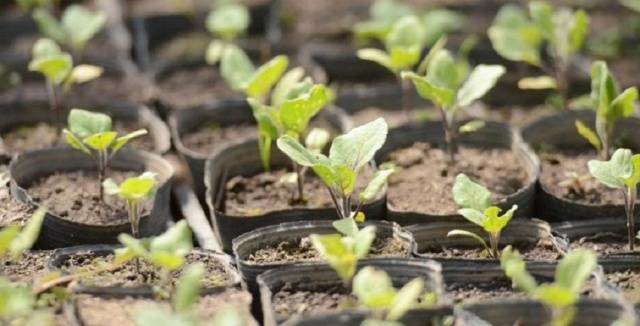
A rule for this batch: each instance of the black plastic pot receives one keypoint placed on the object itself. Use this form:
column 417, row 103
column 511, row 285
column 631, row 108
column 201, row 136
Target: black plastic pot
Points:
column 20, row 114
column 412, row 318
column 574, row 230
column 593, row 312
column 518, row 232
column 61, row 255
column 559, row 132
column 242, row 159
column 493, row 135
column 246, row 244
column 401, row 271
column 226, row 113
column 57, row 232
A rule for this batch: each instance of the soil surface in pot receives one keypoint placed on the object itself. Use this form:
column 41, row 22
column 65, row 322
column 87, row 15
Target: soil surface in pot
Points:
column 629, row 282
column 11, row 210
column 75, row 196
column 266, row 192
column 44, row 135
column 556, row 169
column 542, row 250
column 604, row 243
column 311, row 299
column 394, row 118
column 424, row 182
column 188, row 87
column 303, row 251
column 121, row 311
column 28, row 268
column 126, row 275
column 472, row 292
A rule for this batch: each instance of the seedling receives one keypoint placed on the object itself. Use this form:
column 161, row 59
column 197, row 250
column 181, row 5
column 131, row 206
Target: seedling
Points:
column 133, row 191
column 19, row 306
column 348, row 155
column 475, row 201
column 450, row 86
column 77, row 26
column 14, row 239
column 560, row 296
column 374, row 290
column 575, row 182
column 90, row 133
column 57, row 68
column 622, row 172
column 383, row 14
column 610, row 105
column 520, row 37
column 166, row 251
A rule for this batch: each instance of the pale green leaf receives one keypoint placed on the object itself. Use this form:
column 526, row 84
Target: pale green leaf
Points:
column 375, row 186
column 514, row 36
column 56, row 68
column 362, row 241
column 235, row 67
column 443, row 71
column 541, row 14
column 471, row 126
column 86, row 123
column 176, row 240
column 574, row 269
column 624, row 104
column 286, row 83
column 110, row 187
column 406, row 32
column 81, row 24
column 137, row 188
column 555, row 296
column 317, row 139
column 346, row 226
column 336, row 254
column 29, row 234
column 298, row 153
column 437, row 46
column 188, row 288
column 378, row 56
column 49, row 25
column 357, row 147
column 469, row 194
column 84, row 73
column 578, row 30
column 345, row 179
column 494, row 223
column 634, row 179
column 266, row 76
column 588, row 134
column 516, row 269
column 228, row 21
column 473, row 215
column 614, row 172
column 405, row 299
column 214, row 51
column 539, row 82
column 440, row 22
column 373, row 288
column 45, row 47
column 480, row 81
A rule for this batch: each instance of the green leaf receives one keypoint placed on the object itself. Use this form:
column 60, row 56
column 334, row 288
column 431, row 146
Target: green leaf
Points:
column 82, row 24
column 383, row 14
column 296, row 113
column 404, row 57
column 578, row 30
column 74, row 142
column 405, row 299
column 541, row 14
column 49, row 25
column 29, row 234
column 286, row 83
column 589, row 135
column 188, row 288
column 357, row 147
column 469, row 194
column 603, row 90
column 424, row 64
column 228, row 21
column 346, row 226
column 378, row 56
column 137, row 188
column 214, row 51
column 298, row 153
column 634, row 179
column 268, row 128
column 362, row 241
column 440, row 96
column 377, row 183
column 100, row 141
column 514, row 36
column 539, row 82
column 123, row 140
column 469, row 234
column 176, row 240
column 110, row 187
column 86, row 123
column 84, row 73
column 407, row 32
column 555, row 296
column 235, row 67
column 336, row 254
column 440, row 22
column 229, row 316
column 471, row 126
column 56, row 68
column 473, row 215
column 614, row 172
column 495, row 222
column 624, row 104
column 574, row 269
column 443, row 71
column 373, row 288
column 317, row 139
column 266, row 76
column 481, row 80
column 135, row 246
column 515, row 268
column 7, row 234
column 45, row 47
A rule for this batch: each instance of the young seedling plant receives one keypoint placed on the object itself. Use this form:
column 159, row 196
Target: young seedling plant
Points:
column 16, row 239
column 450, row 86
column 90, row 133
column 134, row 191
column 57, row 68
column 475, row 201
column 76, row 27
column 610, row 105
column 517, row 36
column 560, row 296
column 622, row 172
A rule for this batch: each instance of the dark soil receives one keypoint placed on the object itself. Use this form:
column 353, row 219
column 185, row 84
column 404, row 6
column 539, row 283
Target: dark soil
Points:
column 543, row 250
column 114, row 311
column 303, row 251
column 394, row 118
column 44, row 135
column 188, row 46
column 466, row 292
column 299, row 299
column 189, row 87
column 555, row 167
column 11, row 210
column 425, row 180
column 127, row 276
column 74, row 196
column 605, row 243
column 31, row 266
column 629, row 282
column 626, row 71
column 205, row 140
column 132, row 89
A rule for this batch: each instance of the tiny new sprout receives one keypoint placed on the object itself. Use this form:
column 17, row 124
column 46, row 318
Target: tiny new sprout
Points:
column 450, row 86
column 348, row 155
column 374, row 290
column 622, row 172
column 403, row 44
column 133, row 191
column 476, row 208
column 14, row 240
column 575, row 182
column 90, row 132
column 517, row 37
column 610, row 105
column 560, row 296
column 77, row 26
column 57, row 68
column 183, row 312
column 166, row 251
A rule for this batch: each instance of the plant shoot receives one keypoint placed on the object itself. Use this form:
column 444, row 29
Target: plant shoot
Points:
column 134, row 191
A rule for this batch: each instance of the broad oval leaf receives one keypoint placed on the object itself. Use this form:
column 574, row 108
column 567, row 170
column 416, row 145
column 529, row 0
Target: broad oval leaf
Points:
column 405, row 299
column 614, row 172
column 137, row 188
column 286, row 83
column 82, row 24
column 228, row 21
column 45, row 47
column 235, row 67
column 407, row 32
column 100, row 141
column 440, row 96
column 357, row 147
column 373, row 288
column 296, row 113
column 85, row 123
column 469, row 194
column 480, row 81
column 49, row 25
column 514, row 36
column 440, row 22
column 176, row 240
column 266, row 76
column 574, row 269
column 378, row 56
column 473, row 215
column 346, row 226
column 56, row 68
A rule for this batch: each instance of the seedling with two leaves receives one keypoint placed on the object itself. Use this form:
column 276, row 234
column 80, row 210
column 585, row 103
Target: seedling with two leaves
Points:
column 76, row 27
column 622, row 172
column 475, row 201
column 90, row 133
column 450, row 87
column 560, row 296
column 610, row 105
column 520, row 37
column 57, row 68
column 134, row 191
